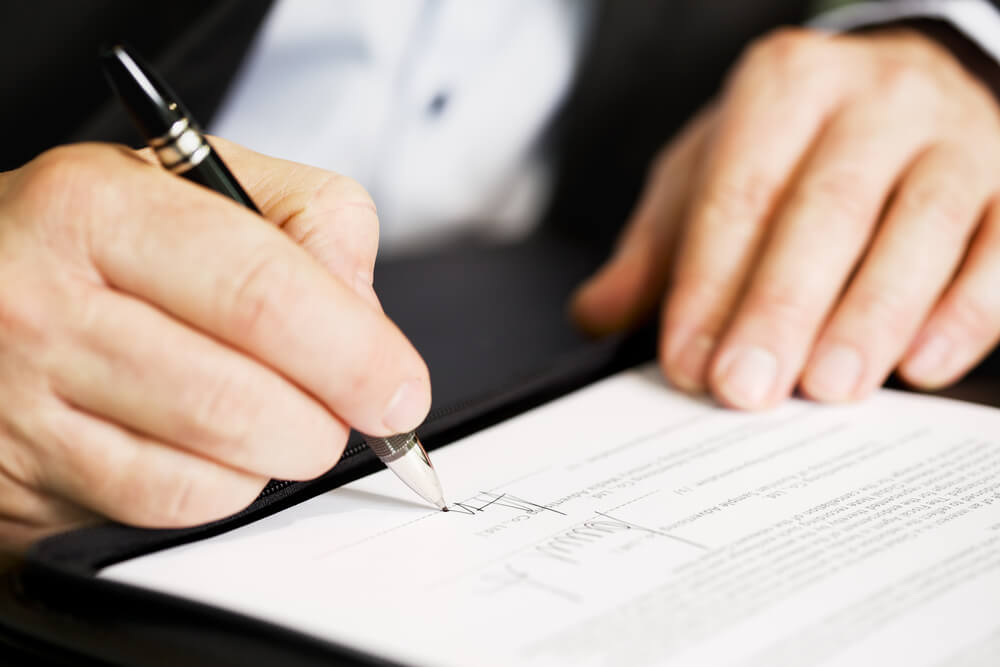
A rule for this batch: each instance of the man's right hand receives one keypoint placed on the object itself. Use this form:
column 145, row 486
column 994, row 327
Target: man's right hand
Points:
column 164, row 351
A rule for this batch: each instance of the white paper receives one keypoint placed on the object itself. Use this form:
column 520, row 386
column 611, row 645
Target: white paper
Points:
column 628, row 524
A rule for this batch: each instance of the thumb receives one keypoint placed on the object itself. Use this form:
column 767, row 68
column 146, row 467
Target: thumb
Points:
column 630, row 284
column 330, row 215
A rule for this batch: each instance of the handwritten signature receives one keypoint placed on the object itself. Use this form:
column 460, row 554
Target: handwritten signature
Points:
column 484, row 500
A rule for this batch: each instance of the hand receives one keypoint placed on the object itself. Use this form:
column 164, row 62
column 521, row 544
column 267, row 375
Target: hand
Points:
column 832, row 217
column 164, row 351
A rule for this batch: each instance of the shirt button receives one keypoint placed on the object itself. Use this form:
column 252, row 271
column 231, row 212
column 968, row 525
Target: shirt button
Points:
column 437, row 104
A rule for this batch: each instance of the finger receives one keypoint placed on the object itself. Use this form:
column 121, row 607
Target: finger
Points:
column 818, row 235
column 212, row 264
column 965, row 324
column 631, row 283
column 912, row 258
column 133, row 479
column 328, row 214
column 178, row 386
column 768, row 121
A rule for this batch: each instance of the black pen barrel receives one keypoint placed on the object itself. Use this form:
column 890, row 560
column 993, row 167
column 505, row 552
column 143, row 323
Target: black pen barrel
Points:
column 150, row 102
column 166, row 125
column 213, row 174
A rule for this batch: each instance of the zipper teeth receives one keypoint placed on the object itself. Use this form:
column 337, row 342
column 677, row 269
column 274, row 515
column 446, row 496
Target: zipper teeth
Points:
column 276, row 485
column 272, row 486
column 454, row 407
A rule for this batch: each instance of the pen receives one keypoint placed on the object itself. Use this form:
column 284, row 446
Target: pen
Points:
column 181, row 147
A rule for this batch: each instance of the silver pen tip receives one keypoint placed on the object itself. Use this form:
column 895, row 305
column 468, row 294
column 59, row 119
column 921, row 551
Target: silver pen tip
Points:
column 426, row 484
column 405, row 455
column 431, row 492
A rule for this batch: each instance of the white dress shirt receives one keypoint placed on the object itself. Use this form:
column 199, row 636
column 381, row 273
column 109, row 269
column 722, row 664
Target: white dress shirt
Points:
column 439, row 107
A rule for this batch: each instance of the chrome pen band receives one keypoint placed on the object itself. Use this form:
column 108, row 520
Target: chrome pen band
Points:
column 393, row 447
column 181, row 147
column 170, row 136
column 406, row 457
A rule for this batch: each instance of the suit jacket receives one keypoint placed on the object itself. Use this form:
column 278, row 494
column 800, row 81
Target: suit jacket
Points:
column 648, row 65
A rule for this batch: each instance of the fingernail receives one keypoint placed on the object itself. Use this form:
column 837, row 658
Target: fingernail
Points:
column 689, row 365
column 930, row 358
column 748, row 374
column 836, row 373
column 408, row 407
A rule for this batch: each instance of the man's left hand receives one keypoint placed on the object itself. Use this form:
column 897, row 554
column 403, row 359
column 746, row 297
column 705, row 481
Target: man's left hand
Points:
column 832, row 217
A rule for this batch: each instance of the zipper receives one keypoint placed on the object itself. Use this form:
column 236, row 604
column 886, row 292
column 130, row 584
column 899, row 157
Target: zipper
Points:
column 276, row 485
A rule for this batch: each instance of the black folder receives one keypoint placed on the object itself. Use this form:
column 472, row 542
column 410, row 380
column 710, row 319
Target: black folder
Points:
column 490, row 320
column 491, row 323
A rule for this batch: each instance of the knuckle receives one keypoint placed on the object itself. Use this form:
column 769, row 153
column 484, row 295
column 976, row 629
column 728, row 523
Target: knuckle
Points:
column 159, row 498
column 942, row 204
column 971, row 317
column 350, row 191
column 73, row 175
column 981, row 110
column 313, row 237
column 697, row 291
column 349, row 194
column 125, row 482
column 181, row 502
column 18, row 459
column 216, row 414
column 252, row 304
column 196, row 499
column 786, row 47
column 22, row 314
column 177, row 496
column 904, row 81
column 738, row 201
column 172, row 496
column 338, row 191
column 85, row 312
column 67, row 195
column 840, row 194
column 60, row 449
column 883, row 310
column 783, row 308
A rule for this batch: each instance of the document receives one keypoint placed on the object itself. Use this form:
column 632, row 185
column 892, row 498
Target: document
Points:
column 627, row 524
